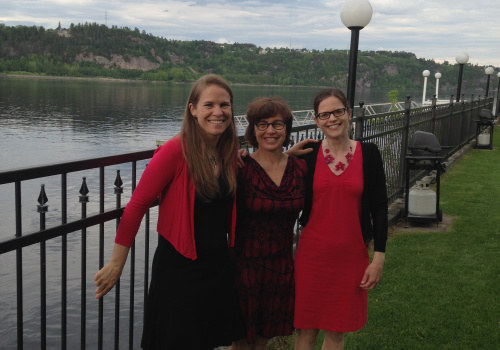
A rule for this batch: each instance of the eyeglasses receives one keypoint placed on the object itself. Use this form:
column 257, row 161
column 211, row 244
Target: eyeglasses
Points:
column 338, row 113
column 277, row 125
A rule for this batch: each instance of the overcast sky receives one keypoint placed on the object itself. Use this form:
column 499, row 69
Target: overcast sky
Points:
column 437, row 29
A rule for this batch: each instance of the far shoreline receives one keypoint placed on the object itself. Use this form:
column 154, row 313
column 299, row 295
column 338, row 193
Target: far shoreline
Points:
column 106, row 79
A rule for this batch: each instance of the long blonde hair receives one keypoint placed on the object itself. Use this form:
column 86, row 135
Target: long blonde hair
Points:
column 194, row 147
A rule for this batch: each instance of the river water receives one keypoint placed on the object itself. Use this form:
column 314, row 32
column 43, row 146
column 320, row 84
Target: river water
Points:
column 45, row 120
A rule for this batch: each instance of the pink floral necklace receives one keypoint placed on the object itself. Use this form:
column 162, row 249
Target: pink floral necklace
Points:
column 340, row 166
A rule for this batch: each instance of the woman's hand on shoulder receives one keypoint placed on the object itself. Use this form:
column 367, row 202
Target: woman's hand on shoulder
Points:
column 241, row 154
column 298, row 150
column 373, row 272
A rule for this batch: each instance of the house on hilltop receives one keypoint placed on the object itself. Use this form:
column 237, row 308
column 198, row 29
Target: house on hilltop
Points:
column 62, row 31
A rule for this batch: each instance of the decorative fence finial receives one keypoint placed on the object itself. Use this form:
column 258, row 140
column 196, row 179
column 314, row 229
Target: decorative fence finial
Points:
column 42, row 200
column 118, row 183
column 84, row 190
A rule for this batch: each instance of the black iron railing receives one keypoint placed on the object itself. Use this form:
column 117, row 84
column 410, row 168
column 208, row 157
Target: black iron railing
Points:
column 453, row 125
column 22, row 240
column 59, row 231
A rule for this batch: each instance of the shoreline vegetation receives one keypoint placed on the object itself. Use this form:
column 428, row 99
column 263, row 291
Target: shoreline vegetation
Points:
column 109, row 79
column 94, row 50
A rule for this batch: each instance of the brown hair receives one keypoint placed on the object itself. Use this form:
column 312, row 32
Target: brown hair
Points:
column 194, row 146
column 329, row 92
column 267, row 107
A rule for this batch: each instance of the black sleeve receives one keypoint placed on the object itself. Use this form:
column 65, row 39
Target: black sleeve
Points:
column 377, row 200
column 310, row 159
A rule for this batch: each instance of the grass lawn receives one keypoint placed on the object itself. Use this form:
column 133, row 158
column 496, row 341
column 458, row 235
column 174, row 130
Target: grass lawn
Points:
column 442, row 290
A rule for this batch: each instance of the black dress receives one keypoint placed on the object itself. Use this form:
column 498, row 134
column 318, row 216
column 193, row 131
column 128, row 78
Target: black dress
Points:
column 192, row 304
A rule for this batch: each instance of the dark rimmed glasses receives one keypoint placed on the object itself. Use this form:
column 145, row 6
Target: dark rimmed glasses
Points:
column 337, row 113
column 277, row 125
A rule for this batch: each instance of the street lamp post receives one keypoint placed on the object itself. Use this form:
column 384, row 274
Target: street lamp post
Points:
column 437, row 76
column 425, row 73
column 461, row 59
column 355, row 14
column 489, row 72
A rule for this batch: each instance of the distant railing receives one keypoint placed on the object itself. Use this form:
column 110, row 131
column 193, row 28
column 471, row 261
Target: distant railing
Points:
column 299, row 118
column 452, row 123
column 377, row 108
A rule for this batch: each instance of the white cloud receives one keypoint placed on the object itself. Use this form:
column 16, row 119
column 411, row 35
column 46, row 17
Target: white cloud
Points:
column 430, row 29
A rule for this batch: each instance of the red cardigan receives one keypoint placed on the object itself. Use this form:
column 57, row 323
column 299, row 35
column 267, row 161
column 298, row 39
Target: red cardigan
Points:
column 166, row 177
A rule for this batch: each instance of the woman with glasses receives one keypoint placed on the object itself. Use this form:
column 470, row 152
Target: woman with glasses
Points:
column 345, row 209
column 270, row 196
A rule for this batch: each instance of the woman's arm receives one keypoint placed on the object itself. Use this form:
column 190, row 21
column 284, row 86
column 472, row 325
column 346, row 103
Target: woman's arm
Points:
column 373, row 272
column 156, row 177
column 240, row 155
column 106, row 278
column 298, row 150
column 378, row 202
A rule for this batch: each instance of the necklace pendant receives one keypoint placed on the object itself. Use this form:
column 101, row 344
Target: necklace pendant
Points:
column 213, row 161
column 340, row 166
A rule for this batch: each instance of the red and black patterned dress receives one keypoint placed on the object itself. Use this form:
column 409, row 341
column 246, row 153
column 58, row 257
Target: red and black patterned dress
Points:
column 263, row 248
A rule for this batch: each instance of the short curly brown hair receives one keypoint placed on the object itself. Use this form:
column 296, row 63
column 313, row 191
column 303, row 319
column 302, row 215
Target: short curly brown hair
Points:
column 267, row 107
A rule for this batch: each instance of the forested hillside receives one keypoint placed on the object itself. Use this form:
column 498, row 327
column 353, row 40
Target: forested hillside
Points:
column 93, row 50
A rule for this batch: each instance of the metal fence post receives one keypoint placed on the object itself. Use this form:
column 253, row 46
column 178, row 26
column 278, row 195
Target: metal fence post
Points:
column 446, row 124
column 64, row 262
column 359, row 113
column 83, row 199
column 472, row 133
column 462, row 139
column 497, row 112
column 118, row 190
column 100, row 316
column 42, row 208
column 434, row 102
column 19, row 267
column 456, row 135
column 404, row 142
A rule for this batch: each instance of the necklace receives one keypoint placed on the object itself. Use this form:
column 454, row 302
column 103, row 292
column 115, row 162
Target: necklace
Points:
column 213, row 161
column 328, row 158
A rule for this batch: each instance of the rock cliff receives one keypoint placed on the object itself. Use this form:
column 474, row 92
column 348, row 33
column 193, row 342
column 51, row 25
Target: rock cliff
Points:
column 118, row 61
